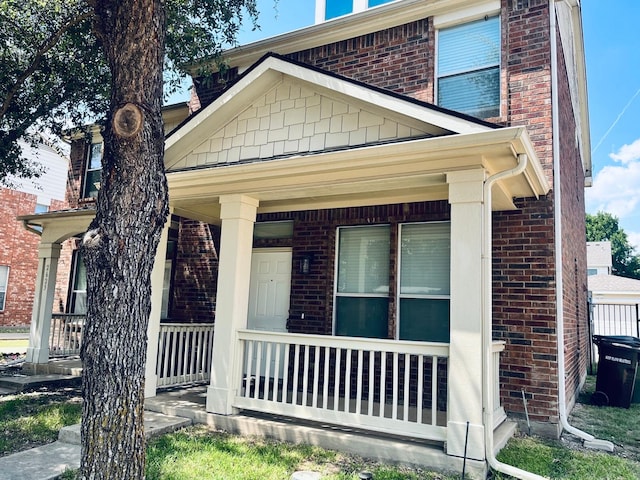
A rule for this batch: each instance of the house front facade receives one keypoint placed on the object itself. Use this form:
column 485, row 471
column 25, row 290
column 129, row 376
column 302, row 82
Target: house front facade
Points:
column 382, row 215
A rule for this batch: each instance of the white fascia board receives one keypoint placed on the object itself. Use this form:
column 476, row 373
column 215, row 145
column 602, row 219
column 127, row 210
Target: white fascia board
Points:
column 341, row 28
column 484, row 148
column 569, row 16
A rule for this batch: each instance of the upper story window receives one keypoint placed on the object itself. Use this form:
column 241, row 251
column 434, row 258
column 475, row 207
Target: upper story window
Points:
column 94, row 169
column 468, row 67
column 78, row 297
column 328, row 9
column 4, row 277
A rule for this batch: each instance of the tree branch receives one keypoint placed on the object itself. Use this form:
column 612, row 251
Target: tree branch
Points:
column 48, row 45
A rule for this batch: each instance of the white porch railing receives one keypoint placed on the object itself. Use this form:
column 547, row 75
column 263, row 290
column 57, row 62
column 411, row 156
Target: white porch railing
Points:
column 382, row 385
column 65, row 338
column 184, row 353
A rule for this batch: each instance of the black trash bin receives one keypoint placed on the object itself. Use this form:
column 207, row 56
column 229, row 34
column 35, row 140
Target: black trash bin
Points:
column 617, row 369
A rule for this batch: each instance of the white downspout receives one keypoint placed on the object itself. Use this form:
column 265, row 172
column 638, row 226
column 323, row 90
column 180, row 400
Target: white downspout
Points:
column 487, row 336
column 589, row 440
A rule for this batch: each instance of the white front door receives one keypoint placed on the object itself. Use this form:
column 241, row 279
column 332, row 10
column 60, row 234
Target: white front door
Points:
column 270, row 286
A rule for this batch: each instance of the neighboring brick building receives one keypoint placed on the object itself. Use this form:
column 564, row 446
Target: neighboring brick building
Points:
column 19, row 248
column 393, row 194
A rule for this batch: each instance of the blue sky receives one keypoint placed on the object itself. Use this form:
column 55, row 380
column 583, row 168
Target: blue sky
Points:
column 611, row 33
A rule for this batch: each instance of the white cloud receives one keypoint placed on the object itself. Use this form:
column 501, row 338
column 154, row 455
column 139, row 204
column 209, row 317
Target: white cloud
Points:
column 627, row 153
column 616, row 190
column 634, row 240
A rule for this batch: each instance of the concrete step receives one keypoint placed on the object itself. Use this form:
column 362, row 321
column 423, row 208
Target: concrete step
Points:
column 42, row 463
column 48, row 462
column 154, row 424
column 503, row 434
column 25, row 383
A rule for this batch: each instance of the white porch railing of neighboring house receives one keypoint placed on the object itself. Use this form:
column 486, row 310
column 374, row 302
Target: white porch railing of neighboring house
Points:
column 185, row 352
column 388, row 386
column 65, row 338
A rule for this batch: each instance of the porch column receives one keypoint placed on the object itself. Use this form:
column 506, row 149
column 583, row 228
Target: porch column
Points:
column 38, row 350
column 153, row 328
column 238, row 215
column 465, row 376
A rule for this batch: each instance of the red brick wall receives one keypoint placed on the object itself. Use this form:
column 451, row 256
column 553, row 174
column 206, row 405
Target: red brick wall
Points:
column 18, row 251
column 524, row 306
column 78, row 157
column 574, row 267
column 195, row 279
column 529, row 75
column 398, row 59
column 315, row 233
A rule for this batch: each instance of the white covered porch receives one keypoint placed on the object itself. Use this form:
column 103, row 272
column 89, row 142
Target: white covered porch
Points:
column 432, row 391
column 377, row 149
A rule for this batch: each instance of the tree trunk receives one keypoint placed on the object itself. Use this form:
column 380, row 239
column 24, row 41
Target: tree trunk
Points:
column 120, row 245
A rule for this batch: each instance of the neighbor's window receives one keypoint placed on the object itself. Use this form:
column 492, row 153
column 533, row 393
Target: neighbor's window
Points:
column 424, row 290
column 94, row 168
column 469, row 67
column 362, row 287
column 4, row 277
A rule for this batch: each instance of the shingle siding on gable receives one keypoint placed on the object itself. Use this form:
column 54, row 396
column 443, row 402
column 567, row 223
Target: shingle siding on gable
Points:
column 290, row 119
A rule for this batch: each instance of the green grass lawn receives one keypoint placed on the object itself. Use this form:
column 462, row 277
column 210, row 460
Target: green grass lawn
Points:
column 552, row 459
column 33, row 419
column 198, row 453
column 14, row 343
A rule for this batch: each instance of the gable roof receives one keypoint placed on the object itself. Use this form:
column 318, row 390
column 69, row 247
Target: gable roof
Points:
column 613, row 283
column 295, row 137
column 308, row 93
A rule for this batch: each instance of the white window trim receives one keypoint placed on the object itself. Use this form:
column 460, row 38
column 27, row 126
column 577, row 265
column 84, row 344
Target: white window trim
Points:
column 468, row 14
column 399, row 275
column 6, row 288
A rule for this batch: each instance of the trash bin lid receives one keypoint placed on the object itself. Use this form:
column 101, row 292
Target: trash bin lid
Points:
column 626, row 340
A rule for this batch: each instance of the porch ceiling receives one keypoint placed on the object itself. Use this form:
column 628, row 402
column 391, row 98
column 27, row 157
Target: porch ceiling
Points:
column 407, row 171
